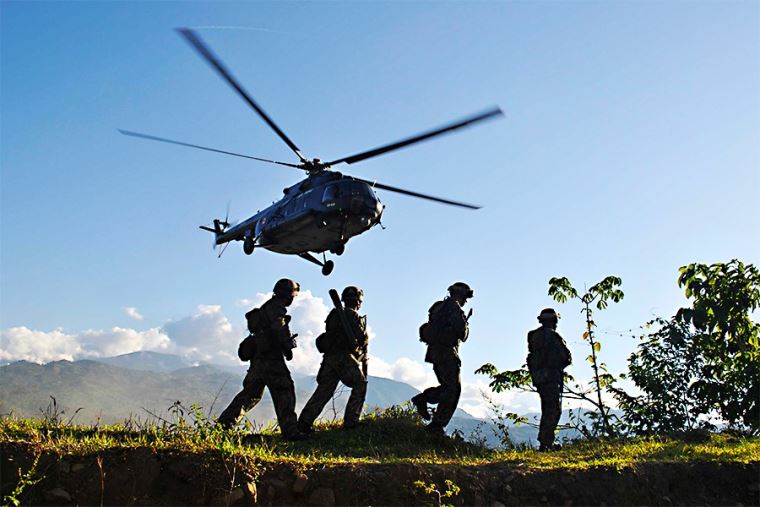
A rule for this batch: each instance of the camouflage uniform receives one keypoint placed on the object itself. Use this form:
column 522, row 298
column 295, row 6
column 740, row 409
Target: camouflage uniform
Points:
column 343, row 361
column 548, row 356
column 444, row 355
column 268, row 369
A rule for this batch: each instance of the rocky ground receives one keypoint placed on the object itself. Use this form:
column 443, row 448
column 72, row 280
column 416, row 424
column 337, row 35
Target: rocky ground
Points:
column 145, row 476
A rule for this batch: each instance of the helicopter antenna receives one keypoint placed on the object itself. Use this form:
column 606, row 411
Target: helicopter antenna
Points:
column 223, row 250
column 206, row 53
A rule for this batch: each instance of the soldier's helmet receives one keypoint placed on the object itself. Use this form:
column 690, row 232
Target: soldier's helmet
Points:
column 286, row 287
column 548, row 314
column 352, row 293
column 461, row 288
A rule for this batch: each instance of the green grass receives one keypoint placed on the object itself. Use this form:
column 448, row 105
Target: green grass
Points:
column 393, row 436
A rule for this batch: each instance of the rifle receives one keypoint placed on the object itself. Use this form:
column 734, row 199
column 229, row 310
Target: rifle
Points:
column 347, row 326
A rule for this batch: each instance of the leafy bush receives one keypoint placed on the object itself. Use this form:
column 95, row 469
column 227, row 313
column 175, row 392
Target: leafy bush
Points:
column 705, row 361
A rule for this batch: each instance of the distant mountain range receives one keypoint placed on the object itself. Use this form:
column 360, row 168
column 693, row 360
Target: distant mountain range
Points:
column 143, row 385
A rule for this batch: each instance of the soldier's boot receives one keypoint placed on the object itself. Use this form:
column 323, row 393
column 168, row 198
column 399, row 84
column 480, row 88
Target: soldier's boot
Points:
column 421, row 406
column 435, row 429
column 225, row 424
column 549, row 447
column 306, row 429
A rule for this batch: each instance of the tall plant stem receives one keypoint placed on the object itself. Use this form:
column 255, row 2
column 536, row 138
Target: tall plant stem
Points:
column 594, row 365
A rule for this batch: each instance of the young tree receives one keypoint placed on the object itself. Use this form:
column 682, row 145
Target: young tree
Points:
column 598, row 295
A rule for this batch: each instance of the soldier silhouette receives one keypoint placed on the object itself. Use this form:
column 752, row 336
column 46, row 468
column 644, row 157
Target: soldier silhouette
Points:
column 548, row 356
column 446, row 328
column 268, row 346
column 344, row 360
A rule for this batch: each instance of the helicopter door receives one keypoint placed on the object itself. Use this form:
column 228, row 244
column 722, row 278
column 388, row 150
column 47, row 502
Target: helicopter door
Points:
column 259, row 230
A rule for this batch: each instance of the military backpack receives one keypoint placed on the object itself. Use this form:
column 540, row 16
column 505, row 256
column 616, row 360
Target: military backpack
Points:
column 248, row 347
column 433, row 331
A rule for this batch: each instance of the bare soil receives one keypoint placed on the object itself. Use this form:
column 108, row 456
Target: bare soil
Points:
column 142, row 476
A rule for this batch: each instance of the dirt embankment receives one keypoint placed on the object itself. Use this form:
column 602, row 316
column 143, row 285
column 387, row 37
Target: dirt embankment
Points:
column 144, row 477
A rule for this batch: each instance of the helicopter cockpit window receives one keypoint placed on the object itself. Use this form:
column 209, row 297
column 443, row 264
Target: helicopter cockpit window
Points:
column 358, row 188
column 332, row 192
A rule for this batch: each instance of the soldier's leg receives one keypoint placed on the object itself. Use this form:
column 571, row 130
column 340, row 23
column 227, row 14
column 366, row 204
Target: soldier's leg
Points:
column 448, row 394
column 433, row 394
column 351, row 375
column 327, row 381
column 283, row 392
column 551, row 411
column 245, row 400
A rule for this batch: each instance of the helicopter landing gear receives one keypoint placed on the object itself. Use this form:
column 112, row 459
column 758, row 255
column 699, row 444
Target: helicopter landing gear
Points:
column 327, row 266
column 338, row 248
column 248, row 245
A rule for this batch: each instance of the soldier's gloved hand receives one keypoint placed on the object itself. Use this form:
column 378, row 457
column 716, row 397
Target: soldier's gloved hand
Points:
column 287, row 345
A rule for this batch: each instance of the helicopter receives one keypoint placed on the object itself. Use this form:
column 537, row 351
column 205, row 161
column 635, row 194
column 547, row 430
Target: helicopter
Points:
column 322, row 212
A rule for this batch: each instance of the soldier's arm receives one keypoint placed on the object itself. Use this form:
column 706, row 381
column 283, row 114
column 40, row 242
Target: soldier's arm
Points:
column 565, row 351
column 355, row 321
column 332, row 322
column 458, row 322
column 533, row 344
column 278, row 321
column 535, row 354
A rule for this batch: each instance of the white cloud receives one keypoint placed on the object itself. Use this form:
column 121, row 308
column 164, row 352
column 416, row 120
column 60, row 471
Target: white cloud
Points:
column 131, row 311
column 308, row 320
column 22, row 343
column 403, row 369
column 476, row 395
column 117, row 341
column 207, row 336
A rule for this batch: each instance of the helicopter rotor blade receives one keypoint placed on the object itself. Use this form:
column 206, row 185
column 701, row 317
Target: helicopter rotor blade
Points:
column 495, row 111
column 417, row 194
column 180, row 143
column 211, row 58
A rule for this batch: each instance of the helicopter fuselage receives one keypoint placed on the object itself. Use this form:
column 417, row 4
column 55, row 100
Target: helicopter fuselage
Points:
column 319, row 213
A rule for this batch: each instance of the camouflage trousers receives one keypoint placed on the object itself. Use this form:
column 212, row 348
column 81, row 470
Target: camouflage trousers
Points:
column 271, row 373
column 445, row 395
column 337, row 368
column 551, row 410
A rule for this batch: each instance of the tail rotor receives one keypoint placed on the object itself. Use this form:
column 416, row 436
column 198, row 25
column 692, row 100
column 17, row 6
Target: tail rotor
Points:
column 219, row 228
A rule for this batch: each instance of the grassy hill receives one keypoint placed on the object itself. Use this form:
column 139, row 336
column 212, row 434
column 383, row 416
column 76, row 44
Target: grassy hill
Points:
column 389, row 459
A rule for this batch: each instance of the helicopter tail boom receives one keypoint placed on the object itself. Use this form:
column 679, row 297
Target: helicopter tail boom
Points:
column 218, row 229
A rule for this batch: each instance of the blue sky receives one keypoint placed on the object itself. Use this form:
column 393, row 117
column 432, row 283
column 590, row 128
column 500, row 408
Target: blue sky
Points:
column 629, row 147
